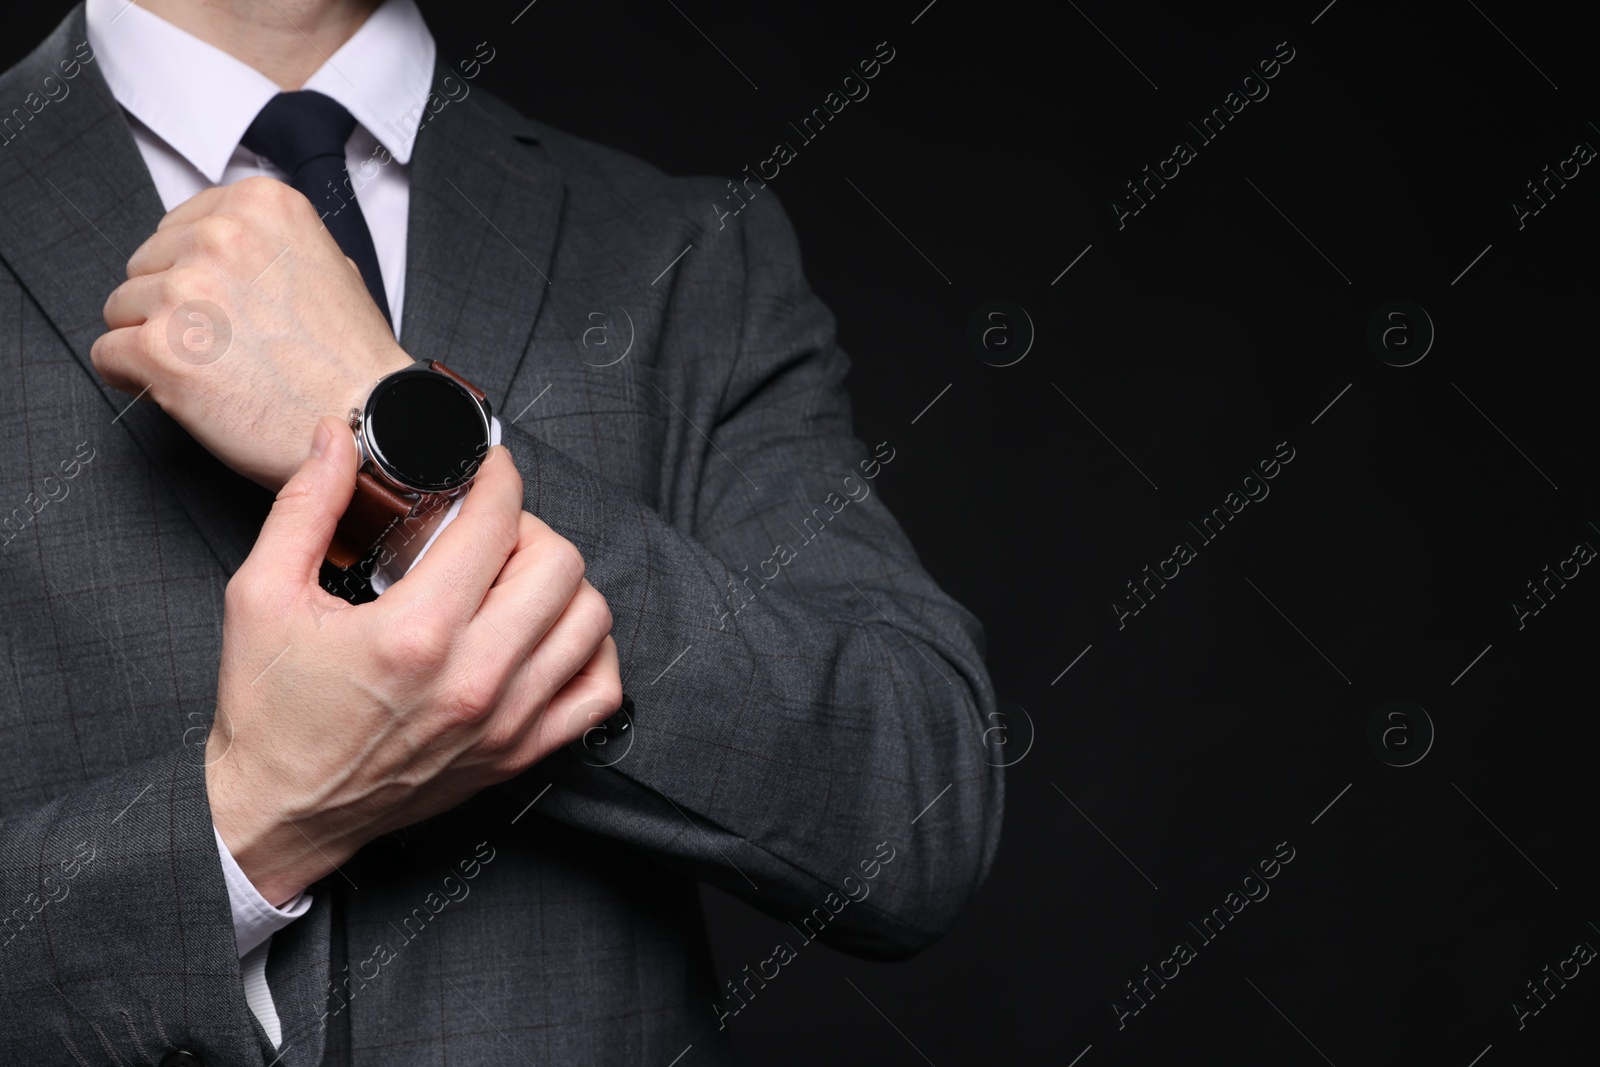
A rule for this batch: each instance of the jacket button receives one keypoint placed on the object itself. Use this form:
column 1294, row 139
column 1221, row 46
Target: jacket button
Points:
column 604, row 744
column 180, row 1058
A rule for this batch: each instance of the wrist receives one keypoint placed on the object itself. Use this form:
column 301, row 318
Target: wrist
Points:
column 273, row 852
column 382, row 363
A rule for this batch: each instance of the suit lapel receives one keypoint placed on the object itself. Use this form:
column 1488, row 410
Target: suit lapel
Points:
column 485, row 211
column 79, row 201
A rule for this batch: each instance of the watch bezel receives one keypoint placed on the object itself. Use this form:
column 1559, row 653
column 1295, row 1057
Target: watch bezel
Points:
column 371, row 453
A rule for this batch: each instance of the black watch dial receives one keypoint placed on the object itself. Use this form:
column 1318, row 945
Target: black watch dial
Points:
column 425, row 431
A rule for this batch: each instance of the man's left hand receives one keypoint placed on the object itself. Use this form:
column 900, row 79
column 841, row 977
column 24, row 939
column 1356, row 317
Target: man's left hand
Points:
column 242, row 318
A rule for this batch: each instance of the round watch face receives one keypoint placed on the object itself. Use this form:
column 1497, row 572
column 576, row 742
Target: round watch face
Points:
column 425, row 431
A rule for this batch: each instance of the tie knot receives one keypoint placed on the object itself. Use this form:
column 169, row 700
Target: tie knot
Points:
column 295, row 128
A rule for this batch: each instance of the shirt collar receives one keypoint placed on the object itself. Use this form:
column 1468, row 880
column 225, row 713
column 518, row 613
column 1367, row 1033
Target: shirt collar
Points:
column 200, row 100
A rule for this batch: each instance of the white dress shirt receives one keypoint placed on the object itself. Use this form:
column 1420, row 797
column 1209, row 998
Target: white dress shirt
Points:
column 189, row 104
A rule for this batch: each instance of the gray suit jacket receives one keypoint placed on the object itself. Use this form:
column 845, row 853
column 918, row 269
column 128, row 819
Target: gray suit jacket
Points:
column 786, row 730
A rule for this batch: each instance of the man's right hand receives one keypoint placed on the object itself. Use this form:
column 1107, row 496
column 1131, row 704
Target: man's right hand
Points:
column 336, row 724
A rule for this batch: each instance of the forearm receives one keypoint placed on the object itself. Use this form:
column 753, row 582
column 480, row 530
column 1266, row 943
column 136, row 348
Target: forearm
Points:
column 796, row 732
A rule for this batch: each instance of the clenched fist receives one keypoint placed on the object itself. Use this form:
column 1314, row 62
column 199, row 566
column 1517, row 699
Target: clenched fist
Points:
column 246, row 323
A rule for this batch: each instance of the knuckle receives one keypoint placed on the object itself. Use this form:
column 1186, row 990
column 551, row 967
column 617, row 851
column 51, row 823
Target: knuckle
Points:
column 247, row 593
column 594, row 613
column 501, row 529
column 168, row 288
column 290, row 203
column 516, row 760
column 152, row 338
column 173, row 287
column 499, row 737
column 235, row 597
column 262, row 199
column 296, row 203
column 419, row 647
column 257, row 190
column 471, row 701
column 504, row 744
column 218, row 234
column 297, row 494
column 100, row 353
column 565, row 556
column 297, row 500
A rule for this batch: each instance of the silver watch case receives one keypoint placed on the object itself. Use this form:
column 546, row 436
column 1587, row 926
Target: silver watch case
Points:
column 368, row 453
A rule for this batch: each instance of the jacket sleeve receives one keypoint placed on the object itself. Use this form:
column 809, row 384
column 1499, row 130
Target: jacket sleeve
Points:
column 805, row 700
column 117, row 941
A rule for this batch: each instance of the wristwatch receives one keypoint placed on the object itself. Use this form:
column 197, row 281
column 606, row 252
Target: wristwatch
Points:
column 421, row 436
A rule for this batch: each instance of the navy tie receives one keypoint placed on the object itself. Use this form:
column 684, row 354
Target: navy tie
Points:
column 303, row 134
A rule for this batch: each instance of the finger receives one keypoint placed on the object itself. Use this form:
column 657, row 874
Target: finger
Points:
column 566, row 647
column 531, row 682
column 197, row 206
column 135, row 301
column 457, row 570
column 521, row 612
column 113, row 354
column 300, row 526
column 524, row 684
column 543, row 566
column 592, row 696
column 514, row 563
column 160, row 251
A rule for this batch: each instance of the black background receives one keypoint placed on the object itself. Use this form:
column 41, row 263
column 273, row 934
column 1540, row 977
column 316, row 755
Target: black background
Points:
column 1228, row 714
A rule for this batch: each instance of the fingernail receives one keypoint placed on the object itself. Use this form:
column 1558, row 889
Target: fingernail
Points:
column 322, row 438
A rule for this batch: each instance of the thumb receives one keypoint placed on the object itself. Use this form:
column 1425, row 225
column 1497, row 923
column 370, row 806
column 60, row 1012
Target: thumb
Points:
column 300, row 526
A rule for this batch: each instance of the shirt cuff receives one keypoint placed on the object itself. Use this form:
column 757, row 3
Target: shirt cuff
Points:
column 254, row 920
column 385, row 576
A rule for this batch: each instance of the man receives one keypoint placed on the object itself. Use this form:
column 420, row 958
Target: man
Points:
column 415, row 810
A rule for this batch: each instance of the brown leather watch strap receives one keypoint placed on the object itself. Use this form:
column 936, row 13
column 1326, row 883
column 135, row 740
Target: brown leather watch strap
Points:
column 374, row 509
column 458, row 379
